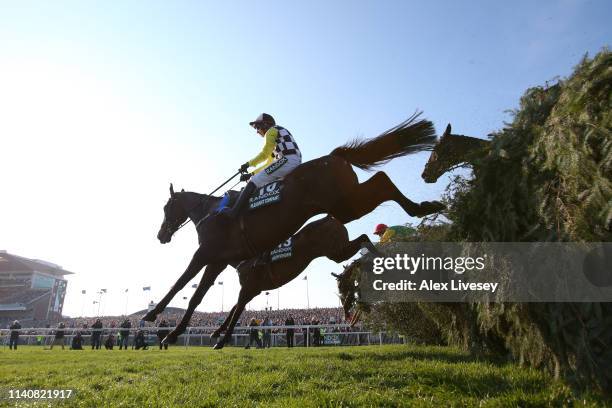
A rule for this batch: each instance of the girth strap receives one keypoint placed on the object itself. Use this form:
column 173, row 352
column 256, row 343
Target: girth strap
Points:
column 266, row 264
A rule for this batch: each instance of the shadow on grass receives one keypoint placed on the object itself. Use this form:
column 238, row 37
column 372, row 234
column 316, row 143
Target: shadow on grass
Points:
column 470, row 384
column 433, row 355
column 471, row 381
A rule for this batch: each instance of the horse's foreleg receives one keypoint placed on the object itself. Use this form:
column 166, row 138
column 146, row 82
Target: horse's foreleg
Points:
column 243, row 299
column 365, row 197
column 198, row 261
column 224, row 325
column 208, row 279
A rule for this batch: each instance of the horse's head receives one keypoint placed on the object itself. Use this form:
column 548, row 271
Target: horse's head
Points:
column 174, row 215
column 452, row 151
column 440, row 159
column 347, row 289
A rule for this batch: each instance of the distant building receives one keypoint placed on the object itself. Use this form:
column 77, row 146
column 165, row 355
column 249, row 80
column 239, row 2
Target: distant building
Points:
column 30, row 289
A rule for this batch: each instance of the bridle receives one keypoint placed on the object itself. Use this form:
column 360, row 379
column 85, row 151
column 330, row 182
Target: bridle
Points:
column 440, row 162
column 172, row 228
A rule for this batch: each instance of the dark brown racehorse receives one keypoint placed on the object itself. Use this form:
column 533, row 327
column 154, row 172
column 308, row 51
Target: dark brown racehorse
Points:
column 326, row 237
column 324, row 185
column 451, row 152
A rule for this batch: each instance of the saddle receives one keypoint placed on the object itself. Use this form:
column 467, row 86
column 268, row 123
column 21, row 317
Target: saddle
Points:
column 282, row 251
column 262, row 197
column 223, row 204
column 265, row 260
column 266, row 195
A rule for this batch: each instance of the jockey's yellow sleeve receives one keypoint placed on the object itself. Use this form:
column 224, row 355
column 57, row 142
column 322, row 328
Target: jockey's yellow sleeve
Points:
column 266, row 152
column 389, row 233
column 397, row 233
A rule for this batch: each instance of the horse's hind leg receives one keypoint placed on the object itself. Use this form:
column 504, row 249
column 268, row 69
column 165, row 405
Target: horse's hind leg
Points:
column 365, row 197
column 243, row 299
column 350, row 249
column 208, row 279
column 224, row 325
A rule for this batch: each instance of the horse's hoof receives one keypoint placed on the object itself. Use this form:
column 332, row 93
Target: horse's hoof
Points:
column 430, row 207
column 438, row 206
column 218, row 346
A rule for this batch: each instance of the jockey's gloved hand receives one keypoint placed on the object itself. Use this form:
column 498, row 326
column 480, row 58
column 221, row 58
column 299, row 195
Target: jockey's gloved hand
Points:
column 245, row 176
column 244, row 167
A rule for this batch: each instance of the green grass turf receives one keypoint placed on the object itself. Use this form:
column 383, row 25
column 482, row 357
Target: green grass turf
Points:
column 332, row 376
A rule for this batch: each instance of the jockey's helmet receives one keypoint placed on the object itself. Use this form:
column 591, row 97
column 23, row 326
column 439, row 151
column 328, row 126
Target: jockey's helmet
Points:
column 380, row 229
column 262, row 119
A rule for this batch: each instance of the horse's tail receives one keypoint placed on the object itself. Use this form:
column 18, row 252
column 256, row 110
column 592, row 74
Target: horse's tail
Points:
column 410, row 136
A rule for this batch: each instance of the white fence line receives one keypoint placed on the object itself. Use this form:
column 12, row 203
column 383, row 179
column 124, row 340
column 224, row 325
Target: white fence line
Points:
column 304, row 335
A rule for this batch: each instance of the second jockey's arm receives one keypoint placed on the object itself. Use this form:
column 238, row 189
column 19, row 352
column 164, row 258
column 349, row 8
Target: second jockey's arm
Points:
column 387, row 236
column 266, row 152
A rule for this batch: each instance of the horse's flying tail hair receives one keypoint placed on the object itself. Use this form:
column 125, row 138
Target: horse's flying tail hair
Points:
column 410, row 136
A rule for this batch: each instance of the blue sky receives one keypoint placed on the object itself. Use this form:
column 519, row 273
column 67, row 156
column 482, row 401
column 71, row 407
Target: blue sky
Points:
column 104, row 103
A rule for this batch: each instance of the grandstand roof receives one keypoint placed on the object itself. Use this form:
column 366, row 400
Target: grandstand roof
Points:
column 14, row 263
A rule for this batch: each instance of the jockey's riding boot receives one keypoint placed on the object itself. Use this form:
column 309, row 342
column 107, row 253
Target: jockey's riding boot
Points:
column 241, row 201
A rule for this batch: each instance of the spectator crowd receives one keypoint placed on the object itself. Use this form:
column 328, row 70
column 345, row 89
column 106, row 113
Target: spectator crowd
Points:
column 121, row 332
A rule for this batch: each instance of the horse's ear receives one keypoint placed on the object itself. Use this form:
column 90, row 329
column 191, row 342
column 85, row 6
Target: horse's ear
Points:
column 171, row 190
column 447, row 132
column 182, row 190
column 335, row 275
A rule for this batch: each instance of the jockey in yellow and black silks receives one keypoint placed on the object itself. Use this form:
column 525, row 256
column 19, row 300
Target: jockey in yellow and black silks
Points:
column 280, row 155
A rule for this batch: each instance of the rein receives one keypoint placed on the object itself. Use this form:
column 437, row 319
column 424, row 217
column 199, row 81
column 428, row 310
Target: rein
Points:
column 203, row 218
column 211, row 193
